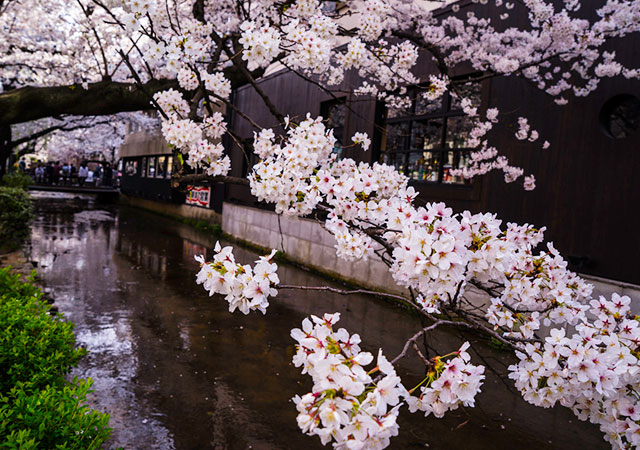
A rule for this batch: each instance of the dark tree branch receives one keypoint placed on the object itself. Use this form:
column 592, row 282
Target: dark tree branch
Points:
column 103, row 98
column 51, row 129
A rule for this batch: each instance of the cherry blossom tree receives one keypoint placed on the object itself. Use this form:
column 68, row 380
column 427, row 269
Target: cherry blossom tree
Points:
column 81, row 137
column 76, row 137
column 186, row 57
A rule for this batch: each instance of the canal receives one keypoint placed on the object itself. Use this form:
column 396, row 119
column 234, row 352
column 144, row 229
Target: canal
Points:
column 176, row 370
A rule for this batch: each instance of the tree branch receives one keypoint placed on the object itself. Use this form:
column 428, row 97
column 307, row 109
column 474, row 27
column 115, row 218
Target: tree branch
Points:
column 103, row 98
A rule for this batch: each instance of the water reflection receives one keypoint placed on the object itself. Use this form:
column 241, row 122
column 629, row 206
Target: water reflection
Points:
column 176, row 371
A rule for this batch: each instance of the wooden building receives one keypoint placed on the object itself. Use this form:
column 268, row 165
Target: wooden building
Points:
column 588, row 190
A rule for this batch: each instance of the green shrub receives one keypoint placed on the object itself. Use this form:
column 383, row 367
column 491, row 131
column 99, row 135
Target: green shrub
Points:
column 11, row 286
column 39, row 409
column 34, row 346
column 51, row 418
column 15, row 213
column 17, row 179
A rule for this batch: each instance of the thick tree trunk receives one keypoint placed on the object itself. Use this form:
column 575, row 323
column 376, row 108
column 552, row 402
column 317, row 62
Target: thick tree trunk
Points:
column 5, row 148
column 107, row 97
column 103, row 98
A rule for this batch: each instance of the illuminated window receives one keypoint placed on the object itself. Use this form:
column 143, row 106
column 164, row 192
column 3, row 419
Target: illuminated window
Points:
column 160, row 168
column 151, row 168
column 169, row 166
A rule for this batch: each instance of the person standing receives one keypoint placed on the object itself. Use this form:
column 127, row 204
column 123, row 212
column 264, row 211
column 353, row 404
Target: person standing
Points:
column 56, row 173
column 83, row 171
column 108, row 175
column 98, row 174
column 89, row 179
column 39, row 174
column 48, row 173
column 65, row 173
column 73, row 173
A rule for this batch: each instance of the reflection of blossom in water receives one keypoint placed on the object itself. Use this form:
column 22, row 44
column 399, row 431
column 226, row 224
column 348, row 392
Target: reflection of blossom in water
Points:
column 93, row 216
column 106, row 339
column 184, row 335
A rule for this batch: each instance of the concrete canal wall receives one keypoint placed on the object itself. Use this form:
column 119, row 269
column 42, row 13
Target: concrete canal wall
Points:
column 181, row 211
column 305, row 242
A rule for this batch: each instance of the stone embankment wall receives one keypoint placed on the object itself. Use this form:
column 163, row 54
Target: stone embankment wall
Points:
column 305, row 242
column 170, row 209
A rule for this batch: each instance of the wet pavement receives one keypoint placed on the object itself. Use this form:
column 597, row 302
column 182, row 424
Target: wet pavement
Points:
column 177, row 371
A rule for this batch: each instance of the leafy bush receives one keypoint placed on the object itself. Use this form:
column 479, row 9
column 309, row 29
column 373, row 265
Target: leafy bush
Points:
column 15, row 213
column 34, row 347
column 51, row 418
column 17, row 179
column 39, row 409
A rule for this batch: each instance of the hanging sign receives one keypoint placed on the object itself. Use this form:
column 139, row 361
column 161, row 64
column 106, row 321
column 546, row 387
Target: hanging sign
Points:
column 198, row 195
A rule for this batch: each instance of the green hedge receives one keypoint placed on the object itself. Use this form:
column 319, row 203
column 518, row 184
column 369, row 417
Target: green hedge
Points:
column 15, row 213
column 17, row 179
column 39, row 409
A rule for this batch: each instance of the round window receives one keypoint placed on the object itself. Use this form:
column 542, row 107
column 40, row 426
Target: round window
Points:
column 620, row 116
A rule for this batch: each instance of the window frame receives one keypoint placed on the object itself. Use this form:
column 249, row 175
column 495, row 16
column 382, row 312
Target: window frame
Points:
column 325, row 109
column 440, row 151
column 161, row 167
column 151, row 165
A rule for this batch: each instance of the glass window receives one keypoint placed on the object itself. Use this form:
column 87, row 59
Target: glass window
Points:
column 620, row 116
column 425, row 106
column 131, row 167
column 455, row 160
column 143, row 167
column 431, row 138
column 151, row 168
column 471, row 91
column 169, row 166
column 396, row 160
column 426, row 135
column 334, row 113
column 396, row 137
column 458, row 129
column 160, row 169
column 424, row 166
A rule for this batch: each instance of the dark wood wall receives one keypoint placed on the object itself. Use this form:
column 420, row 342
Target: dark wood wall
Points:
column 588, row 191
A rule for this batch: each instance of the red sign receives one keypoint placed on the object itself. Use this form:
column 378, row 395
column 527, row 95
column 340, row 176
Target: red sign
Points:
column 198, row 195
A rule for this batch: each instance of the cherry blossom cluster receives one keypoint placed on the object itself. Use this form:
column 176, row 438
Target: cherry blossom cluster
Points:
column 309, row 43
column 437, row 87
column 593, row 371
column 245, row 288
column 434, row 252
column 261, row 44
column 486, row 158
column 284, row 175
column 558, row 50
column 370, row 208
column 346, row 405
column 190, row 136
column 450, row 383
column 525, row 131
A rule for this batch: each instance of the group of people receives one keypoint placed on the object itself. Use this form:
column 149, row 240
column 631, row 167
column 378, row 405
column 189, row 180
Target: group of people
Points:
column 67, row 174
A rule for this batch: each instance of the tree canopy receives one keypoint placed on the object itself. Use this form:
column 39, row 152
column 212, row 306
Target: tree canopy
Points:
column 186, row 57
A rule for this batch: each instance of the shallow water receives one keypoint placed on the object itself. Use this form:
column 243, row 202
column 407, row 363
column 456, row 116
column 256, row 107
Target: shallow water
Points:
column 177, row 371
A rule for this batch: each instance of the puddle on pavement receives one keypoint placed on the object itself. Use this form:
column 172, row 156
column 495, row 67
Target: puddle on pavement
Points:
column 177, row 371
